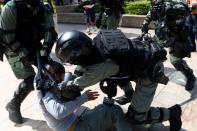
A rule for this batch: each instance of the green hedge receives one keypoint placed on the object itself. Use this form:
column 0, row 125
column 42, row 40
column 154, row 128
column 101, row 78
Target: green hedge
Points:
column 137, row 8
column 133, row 8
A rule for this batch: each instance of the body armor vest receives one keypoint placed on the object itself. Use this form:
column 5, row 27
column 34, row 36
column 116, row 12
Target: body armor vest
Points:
column 29, row 30
column 133, row 59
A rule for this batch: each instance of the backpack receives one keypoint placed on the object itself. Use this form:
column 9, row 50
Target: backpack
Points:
column 112, row 42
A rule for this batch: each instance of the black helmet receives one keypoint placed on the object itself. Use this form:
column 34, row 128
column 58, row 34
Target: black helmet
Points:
column 33, row 3
column 73, row 47
column 157, row 4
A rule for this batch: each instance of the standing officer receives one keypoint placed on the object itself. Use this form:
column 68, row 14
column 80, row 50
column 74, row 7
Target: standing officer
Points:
column 110, row 14
column 24, row 23
column 112, row 54
column 169, row 19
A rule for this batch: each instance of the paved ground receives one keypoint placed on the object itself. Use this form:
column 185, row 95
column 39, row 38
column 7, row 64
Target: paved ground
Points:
column 166, row 96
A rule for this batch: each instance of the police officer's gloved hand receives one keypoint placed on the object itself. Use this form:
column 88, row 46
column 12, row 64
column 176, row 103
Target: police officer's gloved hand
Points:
column 40, row 83
column 69, row 90
column 44, row 53
column 145, row 28
column 69, row 86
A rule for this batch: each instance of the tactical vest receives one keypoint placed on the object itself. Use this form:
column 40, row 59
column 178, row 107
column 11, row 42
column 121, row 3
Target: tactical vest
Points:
column 29, row 30
column 133, row 56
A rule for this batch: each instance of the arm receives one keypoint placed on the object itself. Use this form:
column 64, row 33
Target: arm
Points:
column 8, row 24
column 96, row 73
column 146, row 22
column 50, row 34
column 60, row 109
column 148, row 18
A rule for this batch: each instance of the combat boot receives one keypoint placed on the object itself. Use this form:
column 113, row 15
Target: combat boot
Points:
column 188, row 72
column 126, row 98
column 14, row 112
column 191, row 80
column 13, row 107
column 175, row 118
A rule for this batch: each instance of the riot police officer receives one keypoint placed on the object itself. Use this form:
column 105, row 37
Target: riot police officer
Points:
column 169, row 20
column 110, row 13
column 109, row 18
column 112, row 54
column 24, row 23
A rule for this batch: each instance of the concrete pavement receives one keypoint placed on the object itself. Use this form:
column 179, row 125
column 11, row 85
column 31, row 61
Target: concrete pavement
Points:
column 166, row 95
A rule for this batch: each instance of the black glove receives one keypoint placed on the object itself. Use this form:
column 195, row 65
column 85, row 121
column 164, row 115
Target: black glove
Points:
column 44, row 52
column 40, row 83
column 68, row 86
column 145, row 28
column 69, row 91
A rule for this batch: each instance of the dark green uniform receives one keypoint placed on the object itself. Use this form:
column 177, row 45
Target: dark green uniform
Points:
column 102, row 58
column 170, row 32
column 22, row 29
column 111, row 13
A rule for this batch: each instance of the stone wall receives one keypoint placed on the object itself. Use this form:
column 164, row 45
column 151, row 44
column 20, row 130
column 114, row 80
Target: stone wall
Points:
column 65, row 15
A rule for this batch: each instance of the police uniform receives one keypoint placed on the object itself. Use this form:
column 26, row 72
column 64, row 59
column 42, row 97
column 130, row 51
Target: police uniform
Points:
column 22, row 31
column 99, row 63
column 111, row 14
column 168, row 34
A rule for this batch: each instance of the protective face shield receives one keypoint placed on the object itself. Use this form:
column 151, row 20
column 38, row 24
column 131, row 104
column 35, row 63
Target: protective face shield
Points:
column 73, row 47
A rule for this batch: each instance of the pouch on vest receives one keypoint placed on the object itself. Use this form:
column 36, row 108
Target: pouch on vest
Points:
column 113, row 42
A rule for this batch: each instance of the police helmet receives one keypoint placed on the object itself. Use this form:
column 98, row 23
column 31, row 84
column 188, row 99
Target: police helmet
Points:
column 73, row 46
column 33, row 3
column 157, row 4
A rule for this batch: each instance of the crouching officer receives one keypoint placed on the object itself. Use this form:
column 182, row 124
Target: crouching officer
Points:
column 23, row 24
column 169, row 18
column 112, row 54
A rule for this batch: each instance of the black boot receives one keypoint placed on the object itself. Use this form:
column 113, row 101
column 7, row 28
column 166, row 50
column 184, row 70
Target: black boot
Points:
column 188, row 72
column 175, row 118
column 125, row 98
column 13, row 107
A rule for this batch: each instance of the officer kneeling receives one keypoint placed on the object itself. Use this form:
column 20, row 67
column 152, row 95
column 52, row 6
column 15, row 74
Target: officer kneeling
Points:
column 110, row 53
